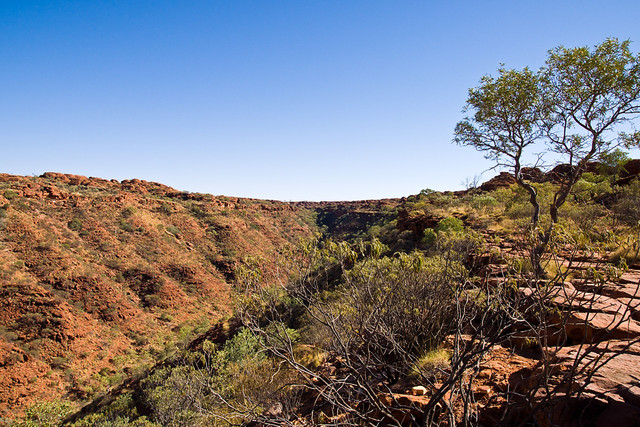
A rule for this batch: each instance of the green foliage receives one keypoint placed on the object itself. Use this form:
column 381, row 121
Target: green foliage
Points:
column 171, row 393
column 173, row 230
column 59, row 362
column 593, row 178
column 434, row 362
column 451, row 239
column 611, row 162
column 197, row 211
column 196, row 388
column 627, row 207
column 450, row 224
column 483, row 202
column 165, row 208
column 511, row 101
column 10, row 194
column 244, row 345
column 409, row 295
column 129, row 211
column 165, row 317
column 122, row 412
column 46, row 414
column 75, row 224
column 590, row 188
column 126, row 226
column 427, row 192
column 429, row 237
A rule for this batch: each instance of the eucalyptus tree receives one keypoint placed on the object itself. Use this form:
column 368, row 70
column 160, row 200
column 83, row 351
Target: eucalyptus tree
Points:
column 509, row 117
column 593, row 95
column 580, row 105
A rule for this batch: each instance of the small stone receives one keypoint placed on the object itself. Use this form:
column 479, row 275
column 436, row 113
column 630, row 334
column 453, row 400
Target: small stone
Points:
column 418, row 390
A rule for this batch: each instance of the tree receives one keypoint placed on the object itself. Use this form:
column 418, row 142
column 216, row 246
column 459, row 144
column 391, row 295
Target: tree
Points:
column 509, row 114
column 578, row 106
column 592, row 95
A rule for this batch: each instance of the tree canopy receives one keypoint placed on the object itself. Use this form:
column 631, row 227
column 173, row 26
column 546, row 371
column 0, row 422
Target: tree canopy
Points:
column 581, row 105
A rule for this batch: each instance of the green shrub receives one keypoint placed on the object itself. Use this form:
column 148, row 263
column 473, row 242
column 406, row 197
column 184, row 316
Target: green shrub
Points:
column 483, row 201
column 152, row 300
column 129, row 212
column 120, row 413
column 429, row 237
column 611, row 162
column 450, row 224
column 173, row 230
column 47, row 414
column 165, row 317
column 165, row 208
column 58, row 362
column 126, row 226
column 10, row 194
column 432, row 363
column 75, row 224
column 197, row 211
column 242, row 346
column 627, row 208
column 587, row 189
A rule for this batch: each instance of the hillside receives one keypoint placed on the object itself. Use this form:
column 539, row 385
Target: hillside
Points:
column 131, row 303
column 100, row 279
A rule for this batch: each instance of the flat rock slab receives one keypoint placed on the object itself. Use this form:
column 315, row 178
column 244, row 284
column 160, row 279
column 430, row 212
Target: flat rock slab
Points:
column 631, row 276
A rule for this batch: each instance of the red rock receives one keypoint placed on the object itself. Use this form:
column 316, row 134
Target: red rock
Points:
column 587, row 327
column 504, row 179
column 533, row 174
column 630, row 168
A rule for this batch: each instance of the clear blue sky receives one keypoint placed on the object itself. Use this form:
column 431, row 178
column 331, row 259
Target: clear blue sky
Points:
column 288, row 100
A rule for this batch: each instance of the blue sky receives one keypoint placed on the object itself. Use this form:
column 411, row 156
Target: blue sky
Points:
column 287, row 100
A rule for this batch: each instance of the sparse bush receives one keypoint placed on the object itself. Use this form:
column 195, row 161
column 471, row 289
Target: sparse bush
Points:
column 122, row 412
column 611, row 162
column 46, row 414
column 197, row 211
column 59, row 362
column 627, row 207
column 173, row 230
column 165, row 317
column 450, row 224
column 10, row 194
column 586, row 189
column 129, row 211
column 152, row 300
column 429, row 237
column 432, row 364
column 165, row 208
column 75, row 224
column 483, row 202
column 385, row 319
column 242, row 346
column 126, row 226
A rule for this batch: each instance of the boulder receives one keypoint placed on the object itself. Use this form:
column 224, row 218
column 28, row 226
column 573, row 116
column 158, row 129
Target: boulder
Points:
column 503, row 180
column 630, row 168
column 561, row 171
column 533, row 174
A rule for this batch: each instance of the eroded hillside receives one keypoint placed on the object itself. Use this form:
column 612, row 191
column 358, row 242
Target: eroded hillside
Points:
column 99, row 279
